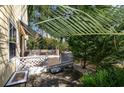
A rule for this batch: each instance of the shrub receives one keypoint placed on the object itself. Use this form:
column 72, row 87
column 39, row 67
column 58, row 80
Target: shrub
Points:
column 119, row 77
column 111, row 77
column 88, row 80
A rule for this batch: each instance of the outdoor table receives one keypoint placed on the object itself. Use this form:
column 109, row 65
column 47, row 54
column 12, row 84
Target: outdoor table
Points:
column 18, row 78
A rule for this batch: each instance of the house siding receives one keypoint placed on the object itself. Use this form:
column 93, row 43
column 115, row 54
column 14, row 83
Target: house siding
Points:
column 13, row 12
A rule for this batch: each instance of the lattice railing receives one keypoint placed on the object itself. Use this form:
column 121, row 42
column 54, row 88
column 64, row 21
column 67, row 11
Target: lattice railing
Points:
column 24, row 63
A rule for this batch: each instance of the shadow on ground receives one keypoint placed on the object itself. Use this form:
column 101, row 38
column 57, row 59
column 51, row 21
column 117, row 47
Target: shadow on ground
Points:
column 63, row 79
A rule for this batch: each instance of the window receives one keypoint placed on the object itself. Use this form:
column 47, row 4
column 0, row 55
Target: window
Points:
column 12, row 40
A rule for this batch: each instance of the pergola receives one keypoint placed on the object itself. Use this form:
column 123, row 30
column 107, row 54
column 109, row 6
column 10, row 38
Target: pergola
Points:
column 68, row 21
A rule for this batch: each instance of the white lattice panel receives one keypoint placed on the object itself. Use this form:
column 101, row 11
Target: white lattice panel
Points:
column 31, row 61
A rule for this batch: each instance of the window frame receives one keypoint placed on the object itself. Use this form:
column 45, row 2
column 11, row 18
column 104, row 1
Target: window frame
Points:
column 11, row 22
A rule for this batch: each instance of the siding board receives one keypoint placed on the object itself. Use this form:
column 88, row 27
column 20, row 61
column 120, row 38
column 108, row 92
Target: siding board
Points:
column 3, row 20
column 13, row 12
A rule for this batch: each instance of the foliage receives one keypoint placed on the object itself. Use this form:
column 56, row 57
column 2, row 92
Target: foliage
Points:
column 38, row 12
column 110, row 77
column 101, row 13
column 46, row 43
column 99, row 50
column 80, row 47
column 62, row 46
column 117, row 13
column 31, row 43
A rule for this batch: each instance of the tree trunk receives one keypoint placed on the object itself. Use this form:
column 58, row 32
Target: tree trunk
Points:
column 85, row 56
column 83, row 63
column 84, row 66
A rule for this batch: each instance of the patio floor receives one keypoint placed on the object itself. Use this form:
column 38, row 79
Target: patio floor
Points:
column 62, row 79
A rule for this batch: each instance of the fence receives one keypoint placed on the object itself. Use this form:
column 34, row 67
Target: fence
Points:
column 24, row 63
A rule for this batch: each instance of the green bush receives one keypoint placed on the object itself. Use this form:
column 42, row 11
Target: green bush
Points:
column 120, row 77
column 88, row 80
column 111, row 77
column 46, row 43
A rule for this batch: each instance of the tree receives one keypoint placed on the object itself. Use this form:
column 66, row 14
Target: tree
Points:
column 80, row 46
column 100, row 50
column 83, row 46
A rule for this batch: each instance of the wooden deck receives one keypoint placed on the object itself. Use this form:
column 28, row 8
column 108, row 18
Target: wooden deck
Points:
column 53, row 61
column 64, row 60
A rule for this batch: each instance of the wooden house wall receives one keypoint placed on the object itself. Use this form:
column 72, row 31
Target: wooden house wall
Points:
column 13, row 12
